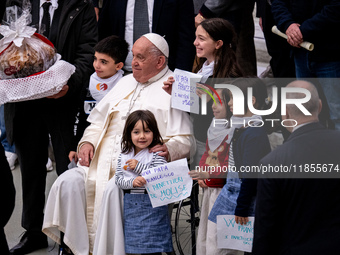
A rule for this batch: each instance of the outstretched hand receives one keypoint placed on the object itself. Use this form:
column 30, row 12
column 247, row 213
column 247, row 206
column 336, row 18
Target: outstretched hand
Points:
column 199, row 175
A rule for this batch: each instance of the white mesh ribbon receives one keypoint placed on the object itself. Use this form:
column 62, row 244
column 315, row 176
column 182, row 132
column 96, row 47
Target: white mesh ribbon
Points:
column 38, row 86
column 17, row 31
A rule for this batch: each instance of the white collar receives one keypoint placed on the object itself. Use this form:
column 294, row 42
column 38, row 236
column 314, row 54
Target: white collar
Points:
column 207, row 70
column 157, row 76
column 301, row 125
column 53, row 2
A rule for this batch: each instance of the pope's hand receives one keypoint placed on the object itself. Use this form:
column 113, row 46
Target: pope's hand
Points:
column 85, row 154
column 163, row 150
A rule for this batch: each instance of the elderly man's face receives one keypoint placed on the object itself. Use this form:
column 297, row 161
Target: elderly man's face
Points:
column 144, row 63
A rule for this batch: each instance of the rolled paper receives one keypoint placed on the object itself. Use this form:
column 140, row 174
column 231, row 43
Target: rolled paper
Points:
column 307, row 45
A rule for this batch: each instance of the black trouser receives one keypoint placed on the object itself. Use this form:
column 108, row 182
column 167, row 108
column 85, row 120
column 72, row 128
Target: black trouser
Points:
column 243, row 23
column 282, row 62
column 34, row 121
column 7, row 192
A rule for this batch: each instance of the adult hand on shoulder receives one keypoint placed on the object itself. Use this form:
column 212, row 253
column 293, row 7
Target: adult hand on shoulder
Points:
column 61, row 93
column 164, row 150
column 168, row 85
column 294, row 35
column 85, row 154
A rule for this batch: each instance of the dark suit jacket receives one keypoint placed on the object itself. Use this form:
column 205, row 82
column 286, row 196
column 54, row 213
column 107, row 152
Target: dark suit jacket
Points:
column 300, row 216
column 172, row 18
column 2, row 9
column 318, row 20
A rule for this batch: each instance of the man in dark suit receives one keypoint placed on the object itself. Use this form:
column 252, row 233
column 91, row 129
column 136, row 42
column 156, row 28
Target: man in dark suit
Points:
column 314, row 21
column 73, row 31
column 281, row 62
column 173, row 19
column 299, row 214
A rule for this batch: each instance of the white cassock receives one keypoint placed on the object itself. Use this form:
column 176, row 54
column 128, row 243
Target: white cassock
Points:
column 85, row 203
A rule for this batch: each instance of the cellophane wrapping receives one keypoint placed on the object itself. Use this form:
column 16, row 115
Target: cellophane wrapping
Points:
column 30, row 68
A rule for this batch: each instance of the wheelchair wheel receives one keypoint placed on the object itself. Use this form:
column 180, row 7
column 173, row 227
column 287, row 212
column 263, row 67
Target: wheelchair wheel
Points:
column 186, row 223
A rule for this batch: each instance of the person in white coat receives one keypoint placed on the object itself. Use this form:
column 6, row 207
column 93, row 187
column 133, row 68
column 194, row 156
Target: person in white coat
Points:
column 84, row 202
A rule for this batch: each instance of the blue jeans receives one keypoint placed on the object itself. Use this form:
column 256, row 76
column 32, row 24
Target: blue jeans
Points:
column 3, row 137
column 327, row 74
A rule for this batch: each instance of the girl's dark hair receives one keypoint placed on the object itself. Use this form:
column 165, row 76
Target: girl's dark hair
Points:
column 225, row 57
column 148, row 120
column 225, row 96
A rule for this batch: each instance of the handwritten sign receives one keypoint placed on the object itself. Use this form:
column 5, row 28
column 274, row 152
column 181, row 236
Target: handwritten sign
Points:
column 168, row 183
column 234, row 236
column 183, row 95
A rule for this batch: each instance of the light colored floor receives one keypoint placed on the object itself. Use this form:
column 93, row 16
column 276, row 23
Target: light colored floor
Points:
column 13, row 228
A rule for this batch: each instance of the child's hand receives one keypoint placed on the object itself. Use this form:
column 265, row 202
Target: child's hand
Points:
column 73, row 155
column 132, row 163
column 199, row 175
column 202, row 184
column 168, row 85
column 241, row 220
column 200, row 92
column 139, row 182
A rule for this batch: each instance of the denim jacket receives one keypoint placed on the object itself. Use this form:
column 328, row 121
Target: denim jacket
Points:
column 238, row 194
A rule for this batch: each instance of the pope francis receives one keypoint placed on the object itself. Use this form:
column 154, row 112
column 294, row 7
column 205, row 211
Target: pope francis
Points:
column 84, row 203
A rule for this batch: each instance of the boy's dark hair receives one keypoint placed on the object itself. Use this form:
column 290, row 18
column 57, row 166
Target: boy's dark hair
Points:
column 261, row 95
column 259, row 91
column 148, row 119
column 114, row 46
